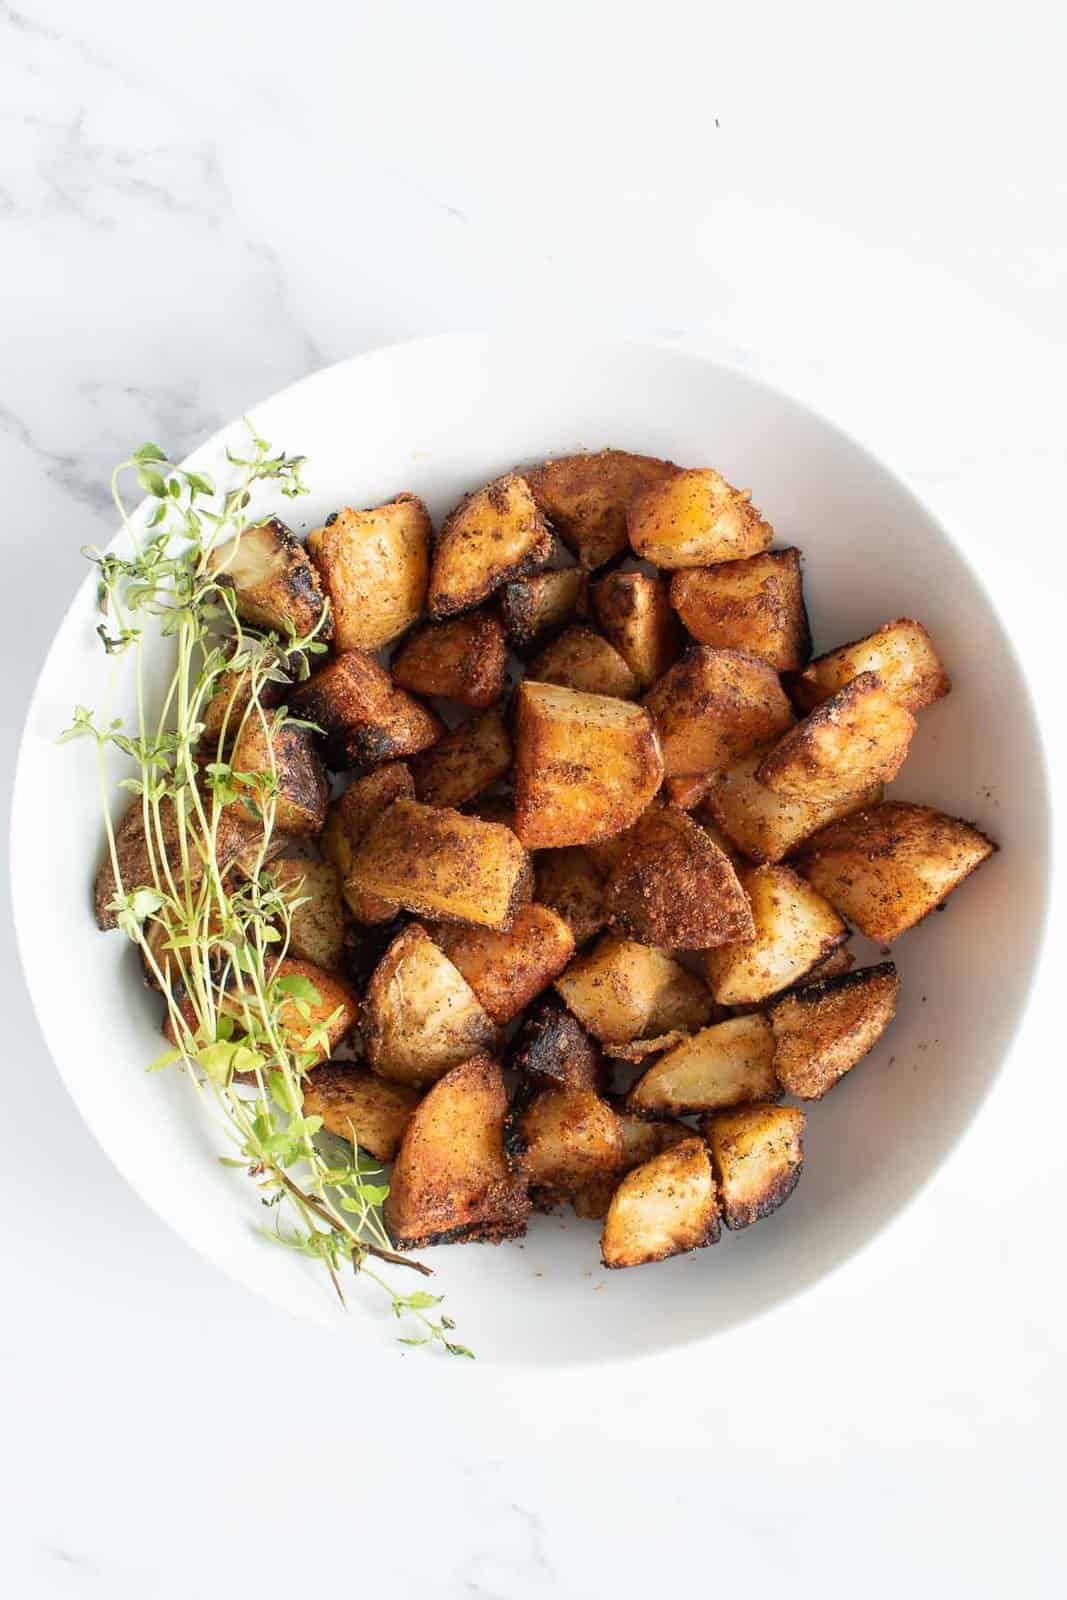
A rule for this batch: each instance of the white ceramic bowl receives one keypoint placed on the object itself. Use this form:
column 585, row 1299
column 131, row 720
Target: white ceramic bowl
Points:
column 440, row 416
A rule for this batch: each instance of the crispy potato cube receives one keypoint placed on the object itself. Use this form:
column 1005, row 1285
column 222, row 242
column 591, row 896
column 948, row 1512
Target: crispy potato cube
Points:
column 901, row 656
column 887, row 868
column 713, row 707
column 421, row 1016
column 572, row 884
column 757, row 1152
column 559, row 1139
column 642, row 1138
column 662, row 1208
column 235, row 832
column 766, row 826
column 466, row 760
column 794, row 928
column 728, row 1064
column 462, row 660
column 689, row 791
column 674, row 887
column 755, row 605
column 347, row 823
column 585, row 498
column 553, row 1048
column 823, row 1029
column 374, row 566
column 693, row 519
column 492, row 536
column 580, row 658
column 288, row 756
column 440, row 864
column 586, row 765
column 362, row 713
column 508, row 970
column 635, row 613
column 851, row 743
column 357, row 1106
column 535, row 607
column 274, row 584
column 451, row 1181
column 622, row 991
column 317, row 925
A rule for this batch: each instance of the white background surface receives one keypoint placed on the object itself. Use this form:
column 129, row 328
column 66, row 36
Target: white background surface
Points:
column 865, row 206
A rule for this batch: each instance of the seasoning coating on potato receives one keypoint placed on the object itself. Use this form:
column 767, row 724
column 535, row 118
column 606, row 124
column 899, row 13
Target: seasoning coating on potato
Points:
column 552, row 1047
column 586, row 497
column 758, row 1153
column 235, row 832
column 766, row 826
column 462, row 660
column 695, row 518
column 755, row 605
column 420, row 1015
column 622, row 991
column 288, row 755
column 492, row 536
column 364, row 716
column 571, row 883
column 357, row 1106
column 451, row 1181
column 507, row 970
column 713, row 707
column 374, row 566
column 274, row 584
column 852, row 742
column 823, row 1029
column 347, row 823
column 728, row 1064
column 900, row 654
column 662, row 1208
column 887, row 868
column 317, row 924
column 534, row 607
column 582, row 659
column 635, row 613
column 674, row 887
column 794, row 927
column 558, row 1139
column 463, row 762
column 440, row 864
column 586, row 765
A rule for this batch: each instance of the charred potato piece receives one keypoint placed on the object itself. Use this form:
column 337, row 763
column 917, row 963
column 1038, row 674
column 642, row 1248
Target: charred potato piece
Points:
column 758, row 1153
column 621, row 991
column 586, row 765
column 766, row 826
column 366, row 944
column 535, row 607
column 635, row 613
column 347, row 824
column 901, row 656
column 421, row 1016
column 852, row 742
column 586, row 497
column 317, row 924
column 755, row 605
column 794, row 928
column 362, row 713
column 662, row 1208
column 552, row 1048
column 674, row 887
column 357, row 1106
column 713, row 707
column 887, row 868
column 451, row 1181
column 508, row 970
column 135, row 861
column 580, row 658
column 374, row 566
column 693, row 519
column 823, row 1029
column 443, row 865
column 287, row 754
column 466, row 760
column 572, row 884
column 493, row 536
column 728, row 1064
column 560, row 1139
column 462, row 660
column 274, row 584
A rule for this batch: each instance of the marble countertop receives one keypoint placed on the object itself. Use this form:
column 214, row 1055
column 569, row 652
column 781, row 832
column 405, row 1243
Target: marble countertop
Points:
column 198, row 208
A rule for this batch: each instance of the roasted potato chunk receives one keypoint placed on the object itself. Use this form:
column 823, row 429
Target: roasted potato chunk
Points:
column 552, row 1048
column 621, row 991
column 443, row 865
column 572, row 884
column 347, row 823
column 693, row 519
column 642, row 1138
column 235, row 832
column 662, row 1208
column 823, row 1029
column 274, row 584
column 421, row 1016
column 493, row 536
column 462, row 660
column 674, row 887
column 332, row 1012
column 317, row 924
column 766, row 826
column 451, row 1181
column 794, row 928
column 901, row 656
column 758, row 1152
column 284, row 758
column 560, row 1139
column 466, row 760
column 223, row 713
column 728, row 1064
column 713, row 707
column 507, row 970
column 362, row 713
column 374, row 566
column 535, row 607
column 852, row 742
column 357, row 1106
column 755, row 605
column 635, row 613
column 580, row 658
column 586, row 497
column 887, row 868
column 586, row 765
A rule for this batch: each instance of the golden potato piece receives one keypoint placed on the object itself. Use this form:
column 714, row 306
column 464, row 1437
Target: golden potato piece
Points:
column 440, row 864
column 535, row 607
column 357, row 1106
column 621, row 991
column 462, row 660
column 901, row 656
column 642, row 1138
column 364, row 716
column 887, row 868
column 507, row 970
column 674, row 887
column 758, row 1152
column 635, row 613
column 558, row 1139
column 713, row 707
column 347, row 822
column 284, row 757
column 662, row 1208
column 493, row 536
column 317, row 924
column 755, row 605
column 570, row 881
column 451, row 1181
column 766, row 826
column 274, row 584
column 580, row 658
column 553, row 1048
column 586, row 765
column 334, row 1008
column 421, row 1016
column 235, row 832
column 695, row 518
column 586, row 497
column 852, row 742
column 794, row 928
column 374, row 566
column 728, row 1064
column 823, row 1029
column 463, row 762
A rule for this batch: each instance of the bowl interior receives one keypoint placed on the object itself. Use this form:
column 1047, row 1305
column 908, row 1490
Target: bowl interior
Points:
column 438, row 417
